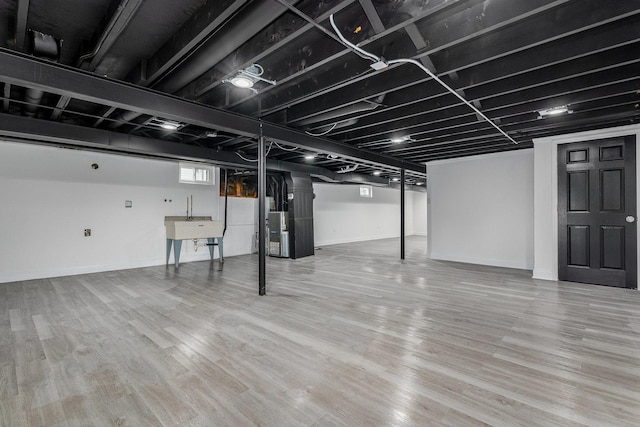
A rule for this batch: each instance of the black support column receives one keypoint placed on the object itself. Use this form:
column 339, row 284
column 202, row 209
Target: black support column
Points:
column 262, row 232
column 402, row 214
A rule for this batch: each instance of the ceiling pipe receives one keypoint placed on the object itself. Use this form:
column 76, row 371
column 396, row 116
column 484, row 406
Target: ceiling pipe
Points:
column 42, row 46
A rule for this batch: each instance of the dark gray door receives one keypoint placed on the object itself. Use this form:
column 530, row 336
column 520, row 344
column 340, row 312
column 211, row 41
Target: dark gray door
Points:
column 597, row 212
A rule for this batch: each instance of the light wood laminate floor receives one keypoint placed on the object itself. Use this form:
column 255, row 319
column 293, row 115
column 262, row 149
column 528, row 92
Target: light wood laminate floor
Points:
column 350, row 336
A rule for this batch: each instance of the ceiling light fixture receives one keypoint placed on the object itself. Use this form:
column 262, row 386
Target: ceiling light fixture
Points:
column 164, row 123
column 170, row 126
column 246, row 78
column 377, row 173
column 310, row 156
column 395, row 179
column 554, row 111
column 399, row 139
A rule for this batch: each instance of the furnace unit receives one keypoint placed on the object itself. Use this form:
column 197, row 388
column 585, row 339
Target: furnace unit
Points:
column 279, row 234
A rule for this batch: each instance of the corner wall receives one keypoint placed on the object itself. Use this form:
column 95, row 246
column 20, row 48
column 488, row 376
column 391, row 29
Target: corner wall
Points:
column 340, row 215
column 481, row 209
column 50, row 195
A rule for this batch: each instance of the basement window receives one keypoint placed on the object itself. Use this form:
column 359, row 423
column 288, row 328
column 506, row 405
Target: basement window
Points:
column 196, row 174
column 366, row 191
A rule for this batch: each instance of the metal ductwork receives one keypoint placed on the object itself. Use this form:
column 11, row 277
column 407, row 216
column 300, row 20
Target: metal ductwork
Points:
column 358, row 107
column 224, row 42
column 42, row 46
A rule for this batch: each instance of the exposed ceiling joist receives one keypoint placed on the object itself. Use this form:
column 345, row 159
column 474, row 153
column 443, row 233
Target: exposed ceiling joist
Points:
column 26, row 71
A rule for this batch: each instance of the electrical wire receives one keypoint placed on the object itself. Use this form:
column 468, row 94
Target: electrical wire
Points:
column 255, row 160
column 283, row 148
column 322, row 133
column 347, row 43
column 375, row 59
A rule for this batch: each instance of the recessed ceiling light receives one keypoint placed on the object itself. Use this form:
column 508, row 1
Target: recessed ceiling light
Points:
column 242, row 81
column 395, row 179
column 419, row 183
column 247, row 77
column 554, row 111
column 377, row 173
column 310, row 156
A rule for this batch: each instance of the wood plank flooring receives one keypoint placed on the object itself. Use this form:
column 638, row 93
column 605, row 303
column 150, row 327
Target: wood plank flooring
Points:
column 348, row 337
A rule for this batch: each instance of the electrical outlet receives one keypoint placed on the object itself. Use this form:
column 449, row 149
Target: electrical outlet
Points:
column 87, row 232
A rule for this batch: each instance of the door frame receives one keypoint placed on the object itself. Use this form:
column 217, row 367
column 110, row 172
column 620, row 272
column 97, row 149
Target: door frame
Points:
column 545, row 155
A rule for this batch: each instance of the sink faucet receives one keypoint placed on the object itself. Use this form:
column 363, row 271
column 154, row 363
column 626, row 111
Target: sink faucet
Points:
column 190, row 216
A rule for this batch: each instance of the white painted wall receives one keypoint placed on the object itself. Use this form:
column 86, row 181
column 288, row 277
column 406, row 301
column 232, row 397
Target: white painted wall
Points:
column 50, row 195
column 546, row 194
column 420, row 213
column 481, row 209
column 340, row 215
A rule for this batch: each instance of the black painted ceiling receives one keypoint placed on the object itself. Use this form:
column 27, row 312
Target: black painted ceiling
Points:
column 509, row 58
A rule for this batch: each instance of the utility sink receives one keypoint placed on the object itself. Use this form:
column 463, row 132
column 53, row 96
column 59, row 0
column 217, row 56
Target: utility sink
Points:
column 179, row 228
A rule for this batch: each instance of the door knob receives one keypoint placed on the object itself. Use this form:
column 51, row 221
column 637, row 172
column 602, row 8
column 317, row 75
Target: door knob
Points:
column 630, row 218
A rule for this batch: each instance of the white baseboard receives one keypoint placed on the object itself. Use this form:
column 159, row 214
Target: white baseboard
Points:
column 544, row 275
column 521, row 265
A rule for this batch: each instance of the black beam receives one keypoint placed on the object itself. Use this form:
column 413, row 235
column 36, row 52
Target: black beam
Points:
column 7, row 96
column 54, row 133
column 262, row 231
column 585, row 27
column 462, row 21
column 63, row 101
column 118, row 23
column 372, row 16
column 30, row 72
column 402, row 214
column 21, row 24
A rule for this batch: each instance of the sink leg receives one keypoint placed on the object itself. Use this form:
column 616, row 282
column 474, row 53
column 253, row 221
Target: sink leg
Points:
column 169, row 243
column 220, row 254
column 210, row 241
column 177, row 245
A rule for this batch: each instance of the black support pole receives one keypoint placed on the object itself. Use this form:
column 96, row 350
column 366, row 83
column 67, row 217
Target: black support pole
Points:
column 262, row 232
column 402, row 214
